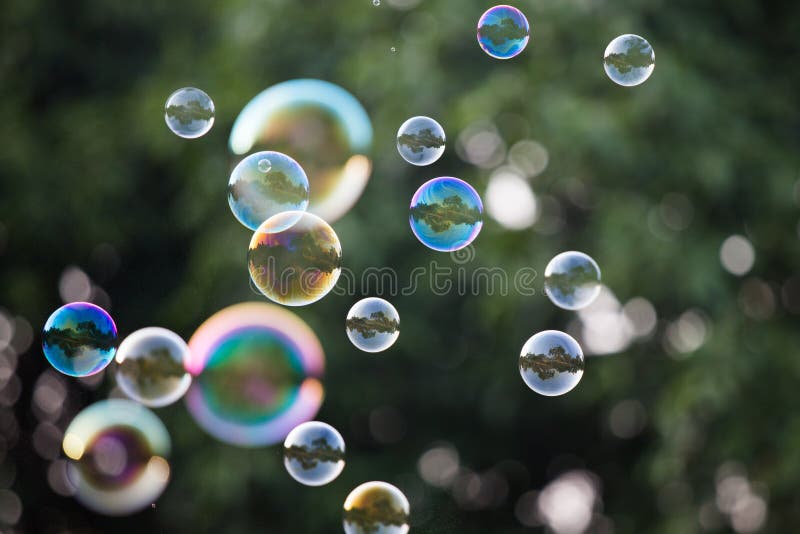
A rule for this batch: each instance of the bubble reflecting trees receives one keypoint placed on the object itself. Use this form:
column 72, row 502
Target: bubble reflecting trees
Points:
column 313, row 453
column 551, row 363
column 629, row 60
column 503, row 32
column 376, row 508
column 421, row 141
column 79, row 339
column 446, row 214
column 373, row 325
column 189, row 113
column 572, row 280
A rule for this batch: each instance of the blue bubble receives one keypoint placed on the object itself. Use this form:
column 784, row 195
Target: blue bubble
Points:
column 572, row 280
column 313, row 453
column 629, row 60
column 446, row 214
column 189, row 113
column 264, row 184
column 79, row 339
column 420, row 141
column 503, row 32
column 551, row 363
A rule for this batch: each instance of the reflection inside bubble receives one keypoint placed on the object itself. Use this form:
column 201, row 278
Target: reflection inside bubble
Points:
column 313, row 453
column 376, row 508
column 551, row 363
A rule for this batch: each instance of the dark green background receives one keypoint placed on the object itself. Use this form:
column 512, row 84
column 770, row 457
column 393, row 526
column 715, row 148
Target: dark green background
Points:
column 86, row 159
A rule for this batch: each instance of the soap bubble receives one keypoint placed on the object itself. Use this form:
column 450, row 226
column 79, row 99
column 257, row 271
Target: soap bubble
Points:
column 323, row 127
column 503, row 32
column 257, row 370
column 373, row 325
column 117, row 450
column 189, row 113
column 446, row 214
column 376, row 3
column 420, row 140
column 629, row 60
column 265, row 184
column 313, row 453
column 151, row 366
column 295, row 258
column 572, row 280
column 551, row 363
column 79, row 339
column 376, row 508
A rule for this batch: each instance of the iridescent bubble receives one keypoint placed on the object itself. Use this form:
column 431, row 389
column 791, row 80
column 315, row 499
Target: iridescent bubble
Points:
column 629, row 60
column 79, row 339
column 551, row 363
column 373, row 325
column 313, row 453
column 376, row 508
column 257, row 370
column 323, row 127
column 503, row 32
column 189, row 113
column 117, row 450
column 151, row 366
column 572, row 280
column 295, row 258
column 265, row 184
column 446, row 214
column 420, row 140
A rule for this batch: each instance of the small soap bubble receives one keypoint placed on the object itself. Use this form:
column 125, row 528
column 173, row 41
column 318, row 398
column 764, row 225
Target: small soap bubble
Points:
column 420, row 140
column 189, row 113
column 503, row 32
column 151, row 366
column 313, row 453
column 376, row 3
column 393, row 49
column 629, row 60
column 265, row 184
column 117, row 450
column 373, row 325
column 551, row 363
column 572, row 280
column 295, row 258
column 446, row 214
column 376, row 508
column 79, row 339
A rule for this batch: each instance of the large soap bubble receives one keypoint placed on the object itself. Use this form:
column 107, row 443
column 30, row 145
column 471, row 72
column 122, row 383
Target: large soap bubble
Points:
column 446, row 214
column 79, row 339
column 320, row 125
column 189, row 113
column 313, row 453
column 376, row 508
column 629, row 60
column 551, row 363
column 257, row 370
column 572, row 280
column 117, row 450
column 503, row 32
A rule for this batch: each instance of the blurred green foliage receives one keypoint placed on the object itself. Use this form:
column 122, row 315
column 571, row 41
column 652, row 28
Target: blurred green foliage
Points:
column 86, row 161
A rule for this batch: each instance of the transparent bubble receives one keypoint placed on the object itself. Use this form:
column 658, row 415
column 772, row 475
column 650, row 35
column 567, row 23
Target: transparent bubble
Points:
column 189, row 113
column 295, row 258
column 420, row 140
column 551, row 363
column 265, row 184
column 151, row 366
column 257, row 370
column 313, row 453
column 572, row 280
column 373, row 325
column 376, row 508
column 323, row 127
column 393, row 49
column 503, row 32
column 446, row 214
column 117, row 450
column 79, row 339
column 376, row 3
column 629, row 60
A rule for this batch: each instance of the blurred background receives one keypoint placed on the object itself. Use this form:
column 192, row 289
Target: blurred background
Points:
column 685, row 190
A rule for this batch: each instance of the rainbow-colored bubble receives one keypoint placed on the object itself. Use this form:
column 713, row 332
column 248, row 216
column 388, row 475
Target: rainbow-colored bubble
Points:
column 117, row 450
column 79, row 339
column 446, row 214
column 503, row 32
column 257, row 371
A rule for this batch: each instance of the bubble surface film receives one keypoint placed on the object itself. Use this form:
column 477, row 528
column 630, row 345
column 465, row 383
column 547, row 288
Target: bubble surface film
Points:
column 373, row 324
column 551, row 363
column 257, row 370
column 313, row 453
column 79, row 339
column 421, row 141
column 629, row 60
column 264, row 184
column 503, row 32
column 189, row 113
column 572, row 280
column 376, row 508
column 294, row 258
column 117, row 450
column 151, row 366
column 446, row 214
column 323, row 127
